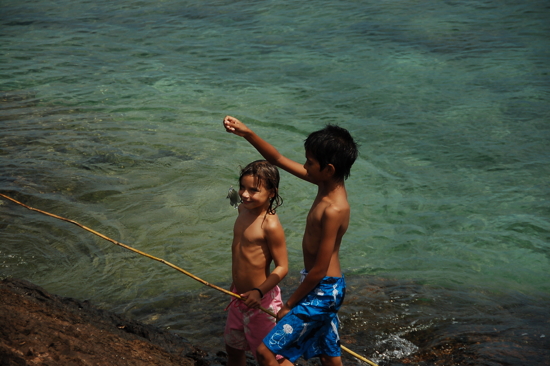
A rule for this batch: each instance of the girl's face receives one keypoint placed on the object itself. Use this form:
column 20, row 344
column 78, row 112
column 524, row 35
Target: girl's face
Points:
column 253, row 194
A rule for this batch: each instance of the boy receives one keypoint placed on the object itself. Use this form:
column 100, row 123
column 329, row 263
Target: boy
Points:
column 308, row 323
column 258, row 240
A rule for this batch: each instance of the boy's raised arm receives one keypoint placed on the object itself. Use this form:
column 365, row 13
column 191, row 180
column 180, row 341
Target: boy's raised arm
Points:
column 268, row 151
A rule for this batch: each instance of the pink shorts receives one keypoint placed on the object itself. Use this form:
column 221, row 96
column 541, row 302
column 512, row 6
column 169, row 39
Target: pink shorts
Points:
column 246, row 328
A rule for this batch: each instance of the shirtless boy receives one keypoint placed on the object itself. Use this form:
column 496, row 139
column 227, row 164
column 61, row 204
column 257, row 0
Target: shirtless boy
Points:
column 307, row 324
column 258, row 240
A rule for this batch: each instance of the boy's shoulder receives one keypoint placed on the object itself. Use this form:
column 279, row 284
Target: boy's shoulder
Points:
column 337, row 197
column 336, row 208
column 334, row 205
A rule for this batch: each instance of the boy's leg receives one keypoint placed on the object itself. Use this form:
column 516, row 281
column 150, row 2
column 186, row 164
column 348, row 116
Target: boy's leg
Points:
column 268, row 358
column 235, row 357
column 330, row 361
column 284, row 362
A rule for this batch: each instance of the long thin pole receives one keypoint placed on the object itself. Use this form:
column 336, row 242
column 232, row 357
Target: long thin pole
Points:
column 164, row 262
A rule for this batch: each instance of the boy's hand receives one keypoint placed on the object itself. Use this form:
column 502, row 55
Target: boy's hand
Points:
column 252, row 299
column 233, row 125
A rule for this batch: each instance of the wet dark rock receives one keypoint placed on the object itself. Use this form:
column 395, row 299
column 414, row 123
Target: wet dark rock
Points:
column 40, row 328
column 37, row 327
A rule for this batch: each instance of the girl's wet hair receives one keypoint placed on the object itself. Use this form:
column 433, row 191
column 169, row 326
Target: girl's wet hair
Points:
column 268, row 177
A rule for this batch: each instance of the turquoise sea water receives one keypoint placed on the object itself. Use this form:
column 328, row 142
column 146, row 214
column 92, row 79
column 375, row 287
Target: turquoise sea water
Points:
column 111, row 116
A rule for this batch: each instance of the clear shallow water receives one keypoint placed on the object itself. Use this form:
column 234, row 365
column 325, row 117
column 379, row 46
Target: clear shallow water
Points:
column 111, row 116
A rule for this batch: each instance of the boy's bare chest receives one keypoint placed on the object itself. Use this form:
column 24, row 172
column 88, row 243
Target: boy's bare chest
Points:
column 315, row 215
column 313, row 230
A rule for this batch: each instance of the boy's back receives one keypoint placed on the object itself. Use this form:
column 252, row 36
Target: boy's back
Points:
column 327, row 220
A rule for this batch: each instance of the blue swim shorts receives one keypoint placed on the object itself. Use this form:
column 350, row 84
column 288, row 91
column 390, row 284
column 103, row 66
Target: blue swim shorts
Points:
column 310, row 329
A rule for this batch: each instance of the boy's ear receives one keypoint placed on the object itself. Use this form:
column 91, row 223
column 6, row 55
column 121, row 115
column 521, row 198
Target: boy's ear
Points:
column 329, row 170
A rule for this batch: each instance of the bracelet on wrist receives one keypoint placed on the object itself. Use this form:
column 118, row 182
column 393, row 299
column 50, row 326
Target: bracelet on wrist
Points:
column 260, row 291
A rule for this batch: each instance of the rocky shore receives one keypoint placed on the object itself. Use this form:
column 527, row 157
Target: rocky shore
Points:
column 38, row 328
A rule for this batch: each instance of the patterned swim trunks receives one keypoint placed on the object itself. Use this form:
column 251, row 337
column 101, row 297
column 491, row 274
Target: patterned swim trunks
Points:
column 310, row 328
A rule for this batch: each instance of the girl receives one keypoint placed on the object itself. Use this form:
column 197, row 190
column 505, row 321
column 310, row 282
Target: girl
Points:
column 258, row 240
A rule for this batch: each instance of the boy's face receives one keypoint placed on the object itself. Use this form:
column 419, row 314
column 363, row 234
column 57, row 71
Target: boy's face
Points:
column 312, row 167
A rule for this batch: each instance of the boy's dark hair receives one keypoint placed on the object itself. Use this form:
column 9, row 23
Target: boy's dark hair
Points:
column 333, row 145
column 268, row 176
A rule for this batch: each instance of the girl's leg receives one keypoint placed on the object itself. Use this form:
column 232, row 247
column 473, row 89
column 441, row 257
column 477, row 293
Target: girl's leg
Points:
column 235, row 357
